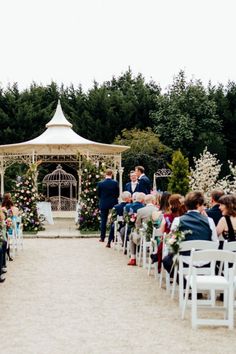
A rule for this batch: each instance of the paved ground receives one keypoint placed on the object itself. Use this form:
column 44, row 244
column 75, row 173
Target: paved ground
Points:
column 75, row 296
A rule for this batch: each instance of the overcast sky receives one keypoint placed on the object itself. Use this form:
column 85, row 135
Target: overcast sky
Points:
column 78, row 41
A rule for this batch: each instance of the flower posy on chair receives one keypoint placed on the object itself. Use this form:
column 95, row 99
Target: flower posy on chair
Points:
column 174, row 239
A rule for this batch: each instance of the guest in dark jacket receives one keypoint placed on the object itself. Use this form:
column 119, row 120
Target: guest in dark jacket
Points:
column 137, row 202
column 214, row 212
column 108, row 193
column 119, row 211
column 195, row 220
column 132, row 186
column 144, row 183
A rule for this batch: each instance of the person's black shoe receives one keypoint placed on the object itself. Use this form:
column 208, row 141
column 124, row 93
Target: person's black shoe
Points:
column 101, row 240
column 108, row 245
column 4, row 271
column 154, row 258
column 11, row 259
column 199, row 296
column 2, row 280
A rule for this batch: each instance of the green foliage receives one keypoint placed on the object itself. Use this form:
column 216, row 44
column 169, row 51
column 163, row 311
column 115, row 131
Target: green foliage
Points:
column 179, row 180
column 145, row 149
column 187, row 119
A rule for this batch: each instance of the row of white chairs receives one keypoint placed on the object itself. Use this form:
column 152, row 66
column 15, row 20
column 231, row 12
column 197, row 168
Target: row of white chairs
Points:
column 204, row 278
column 197, row 279
column 15, row 235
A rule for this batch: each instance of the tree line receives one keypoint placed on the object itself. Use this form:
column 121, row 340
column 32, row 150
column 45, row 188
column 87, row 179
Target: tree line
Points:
column 129, row 110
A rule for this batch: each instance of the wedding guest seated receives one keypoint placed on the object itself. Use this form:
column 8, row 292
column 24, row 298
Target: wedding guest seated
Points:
column 143, row 214
column 227, row 224
column 118, row 210
column 3, row 247
column 214, row 212
column 200, row 226
column 131, row 209
column 176, row 208
column 137, row 203
column 9, row 208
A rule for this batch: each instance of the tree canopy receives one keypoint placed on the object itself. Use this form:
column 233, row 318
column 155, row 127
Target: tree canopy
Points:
column 187, row 116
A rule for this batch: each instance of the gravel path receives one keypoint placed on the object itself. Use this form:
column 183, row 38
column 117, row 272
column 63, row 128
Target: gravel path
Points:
column 76, row 296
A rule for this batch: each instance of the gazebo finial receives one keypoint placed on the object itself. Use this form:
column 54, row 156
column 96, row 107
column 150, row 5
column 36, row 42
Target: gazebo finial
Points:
column 58, row 118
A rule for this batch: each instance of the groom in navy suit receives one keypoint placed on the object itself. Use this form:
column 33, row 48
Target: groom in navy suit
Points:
column 144, row 183
column 108, row 193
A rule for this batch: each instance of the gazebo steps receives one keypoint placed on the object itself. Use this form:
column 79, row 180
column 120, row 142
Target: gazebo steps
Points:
column 62, row 228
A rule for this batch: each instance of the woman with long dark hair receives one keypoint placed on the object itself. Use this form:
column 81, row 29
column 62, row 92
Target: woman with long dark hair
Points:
column 227, row 224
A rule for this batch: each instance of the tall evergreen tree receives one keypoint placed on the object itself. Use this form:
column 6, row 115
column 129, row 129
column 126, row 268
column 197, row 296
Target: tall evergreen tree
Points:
column 179, row 180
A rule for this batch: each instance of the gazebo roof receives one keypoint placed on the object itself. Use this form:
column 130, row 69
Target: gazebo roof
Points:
column 60, row 139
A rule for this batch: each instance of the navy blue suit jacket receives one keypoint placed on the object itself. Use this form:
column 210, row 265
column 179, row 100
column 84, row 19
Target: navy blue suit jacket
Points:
column 134, row 206
column 215, row 213
column 108, row 193
column 119, row 208
column 144, row 185
column 129, row 189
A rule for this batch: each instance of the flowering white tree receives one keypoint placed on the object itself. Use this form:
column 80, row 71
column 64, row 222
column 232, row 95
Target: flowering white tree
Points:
column 228, row 183
column 206, row 172
column 205, row 175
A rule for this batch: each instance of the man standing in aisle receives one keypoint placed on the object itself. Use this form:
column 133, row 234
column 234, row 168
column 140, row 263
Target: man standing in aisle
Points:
column 108, row 193
column 144, row 183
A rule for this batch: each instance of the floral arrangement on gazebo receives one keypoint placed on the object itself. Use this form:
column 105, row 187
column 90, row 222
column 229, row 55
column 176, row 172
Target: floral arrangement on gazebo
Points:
column 25, row 198
column 89, row 217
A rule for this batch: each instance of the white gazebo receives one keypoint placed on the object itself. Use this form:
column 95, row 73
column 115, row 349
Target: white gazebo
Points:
column 60, row 144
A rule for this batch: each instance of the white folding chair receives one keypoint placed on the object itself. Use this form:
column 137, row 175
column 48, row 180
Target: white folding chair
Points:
column 187, row 246
column 144, row 247
column 126, row 242
column 153, row 250
column 212, row 283
column 117, row 237
column 163, row 271
column 230, row 246
column 11, row 236
column 19, row 232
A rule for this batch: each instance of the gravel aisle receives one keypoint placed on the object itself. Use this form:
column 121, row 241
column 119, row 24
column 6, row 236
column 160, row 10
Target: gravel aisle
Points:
column 75, row 296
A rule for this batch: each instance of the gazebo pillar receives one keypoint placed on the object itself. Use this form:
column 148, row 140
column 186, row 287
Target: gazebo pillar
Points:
column 2, row 172
column 121, row 170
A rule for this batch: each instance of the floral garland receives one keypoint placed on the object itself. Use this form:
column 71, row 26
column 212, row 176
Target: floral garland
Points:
column 89, row 214
column 130, row 218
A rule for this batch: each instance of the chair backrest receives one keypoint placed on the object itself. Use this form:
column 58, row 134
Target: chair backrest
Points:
column 156, row 233
column 187, row 246
column 213, row 256
column 198, row 245
column 230, row 246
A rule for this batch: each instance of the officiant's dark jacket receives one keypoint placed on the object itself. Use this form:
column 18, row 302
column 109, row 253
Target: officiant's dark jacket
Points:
column 128, row 188
column 108, row 193
column 144, row 185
